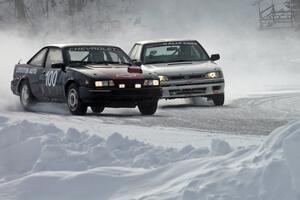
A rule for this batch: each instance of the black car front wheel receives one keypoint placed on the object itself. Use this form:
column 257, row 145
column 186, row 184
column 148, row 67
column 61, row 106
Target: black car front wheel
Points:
column 97, row 109
column 26, row 97
column 148, row 108
column 76, row 107
column 218, row 99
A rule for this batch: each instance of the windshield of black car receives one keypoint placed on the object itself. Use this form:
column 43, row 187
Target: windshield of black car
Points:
column 96, row 55
column 169, row 52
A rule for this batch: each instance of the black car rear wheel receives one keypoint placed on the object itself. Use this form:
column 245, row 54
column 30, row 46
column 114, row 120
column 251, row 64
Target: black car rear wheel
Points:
column 76, row 107
column 26, row 97
column 97, row 109
column 218, row 99
column 148, row 108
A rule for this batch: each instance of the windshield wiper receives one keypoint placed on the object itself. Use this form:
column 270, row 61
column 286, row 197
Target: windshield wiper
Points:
column 108, row 62
column 174, row 61
column 158, row 62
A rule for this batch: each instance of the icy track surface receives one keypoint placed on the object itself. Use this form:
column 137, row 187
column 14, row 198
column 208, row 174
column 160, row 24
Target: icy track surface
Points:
column 41, row 162
column 254, row 114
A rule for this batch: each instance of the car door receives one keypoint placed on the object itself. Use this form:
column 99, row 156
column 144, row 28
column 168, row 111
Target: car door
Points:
column 36, row 72
column 54, row 77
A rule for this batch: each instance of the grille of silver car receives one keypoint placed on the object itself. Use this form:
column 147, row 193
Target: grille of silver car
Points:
column 185, row 77
column 187, row 91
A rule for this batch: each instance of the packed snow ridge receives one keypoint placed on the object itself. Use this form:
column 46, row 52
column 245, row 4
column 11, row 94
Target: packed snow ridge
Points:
column 30, row 147
column 43, row 162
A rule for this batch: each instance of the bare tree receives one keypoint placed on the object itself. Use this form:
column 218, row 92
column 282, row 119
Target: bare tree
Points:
column 76, row 6
column 80, row 4
column 296, row 7
column 20, row 9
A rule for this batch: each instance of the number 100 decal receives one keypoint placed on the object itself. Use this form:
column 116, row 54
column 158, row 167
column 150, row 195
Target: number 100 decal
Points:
column 51, row 78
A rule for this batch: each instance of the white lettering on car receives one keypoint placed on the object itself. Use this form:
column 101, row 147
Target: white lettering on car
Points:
column 32, row 71
column 22, row 70
column 51, row 78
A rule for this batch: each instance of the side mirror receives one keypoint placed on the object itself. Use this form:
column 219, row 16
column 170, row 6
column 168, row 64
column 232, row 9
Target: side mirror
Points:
column 215, row 57
column 137, row 63
column 58, row 66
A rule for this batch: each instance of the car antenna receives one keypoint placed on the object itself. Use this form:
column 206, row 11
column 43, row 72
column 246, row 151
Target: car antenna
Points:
column 19, row 61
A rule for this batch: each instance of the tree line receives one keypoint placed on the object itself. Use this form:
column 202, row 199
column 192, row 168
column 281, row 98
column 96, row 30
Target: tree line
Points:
column 23, row 9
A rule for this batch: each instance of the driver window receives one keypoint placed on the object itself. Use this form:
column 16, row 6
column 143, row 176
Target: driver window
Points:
column 54, row 57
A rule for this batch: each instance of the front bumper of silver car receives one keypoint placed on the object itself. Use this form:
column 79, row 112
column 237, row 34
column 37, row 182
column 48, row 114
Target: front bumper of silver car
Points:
column 192, row 88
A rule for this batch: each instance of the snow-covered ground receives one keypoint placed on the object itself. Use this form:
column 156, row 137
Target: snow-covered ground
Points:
column 183, row 152
column 40, row 161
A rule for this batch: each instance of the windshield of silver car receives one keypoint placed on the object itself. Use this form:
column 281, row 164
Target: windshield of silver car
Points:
column 171, row 52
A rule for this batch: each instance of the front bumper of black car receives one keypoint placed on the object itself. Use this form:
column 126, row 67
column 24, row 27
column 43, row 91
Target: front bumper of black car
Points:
column 117, row 97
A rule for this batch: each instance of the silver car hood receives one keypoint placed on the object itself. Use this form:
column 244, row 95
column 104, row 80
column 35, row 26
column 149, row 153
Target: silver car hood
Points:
column 184, row 68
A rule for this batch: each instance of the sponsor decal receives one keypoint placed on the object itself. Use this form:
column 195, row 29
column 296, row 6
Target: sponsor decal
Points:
column 128, row 77
column 125, row 75
column 93, row 49
column 173, row 43
column 51, row 78
column 23, row 70
column 32, row 71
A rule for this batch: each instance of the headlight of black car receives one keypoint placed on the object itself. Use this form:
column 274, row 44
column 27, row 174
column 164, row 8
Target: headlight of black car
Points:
column 106, row 83
column 151, row 83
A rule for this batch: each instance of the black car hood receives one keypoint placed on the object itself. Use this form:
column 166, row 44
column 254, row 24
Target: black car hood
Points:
column 110, row 71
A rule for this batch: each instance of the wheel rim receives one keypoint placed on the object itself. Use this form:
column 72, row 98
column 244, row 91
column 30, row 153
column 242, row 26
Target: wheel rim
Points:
column 25, row 95
column 73, row 99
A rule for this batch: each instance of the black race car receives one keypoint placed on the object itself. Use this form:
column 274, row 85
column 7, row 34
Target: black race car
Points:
column 85, row 75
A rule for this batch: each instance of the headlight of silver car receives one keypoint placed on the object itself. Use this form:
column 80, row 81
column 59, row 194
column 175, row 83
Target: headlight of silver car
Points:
column 163, row 78
column 212, row 75
column 151, row 83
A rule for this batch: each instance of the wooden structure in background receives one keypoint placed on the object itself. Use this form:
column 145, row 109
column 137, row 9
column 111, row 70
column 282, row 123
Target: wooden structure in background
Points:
column 277, row 15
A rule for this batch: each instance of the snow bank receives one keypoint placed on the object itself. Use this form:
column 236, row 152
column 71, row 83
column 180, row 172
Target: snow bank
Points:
column 27, row 147
column 2, row 120
column 42, row 162
column 220, row 147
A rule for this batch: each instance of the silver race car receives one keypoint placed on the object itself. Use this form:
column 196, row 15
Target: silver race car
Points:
column 184, row 68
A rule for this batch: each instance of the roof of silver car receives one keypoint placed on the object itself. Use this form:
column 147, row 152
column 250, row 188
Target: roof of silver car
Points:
column 76, row 44
column 163, row 40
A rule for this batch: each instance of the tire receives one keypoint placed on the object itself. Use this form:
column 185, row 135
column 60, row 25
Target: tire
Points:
column 97, row 109
column 148, row 108
column 218, row 99
column 26, row 97
column 75, row 106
